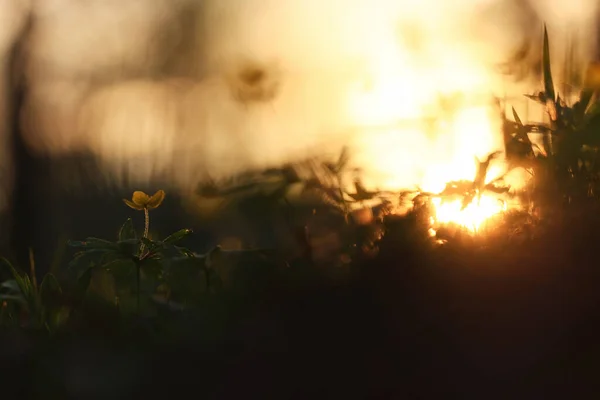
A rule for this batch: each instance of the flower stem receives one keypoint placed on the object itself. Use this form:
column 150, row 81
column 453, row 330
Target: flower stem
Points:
column 142, row 250
column 146, row 229
column 146, row 222
column 137, row 282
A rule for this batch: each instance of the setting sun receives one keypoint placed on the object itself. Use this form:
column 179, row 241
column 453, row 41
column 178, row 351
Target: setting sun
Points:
column 471, row 217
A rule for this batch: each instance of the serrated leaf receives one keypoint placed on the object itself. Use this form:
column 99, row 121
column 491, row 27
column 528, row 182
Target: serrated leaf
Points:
column 127, row 231
column 177, row 236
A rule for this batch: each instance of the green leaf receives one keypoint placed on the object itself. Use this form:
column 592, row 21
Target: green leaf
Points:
column 548, row 82
column 151, row 245
column 58, row 317
column 49, row 289
column 184, row 251
column 13, row 297
column 16, row 276
column 92, row 243
column 123, row 270
column 127, row 231
column 84, row 260
column 11, row 286
column 83, row 283
column 152, row 268
column 177, row 236
column 22, row 281
column 27, row 287
column 129, row 247
column 103, row 284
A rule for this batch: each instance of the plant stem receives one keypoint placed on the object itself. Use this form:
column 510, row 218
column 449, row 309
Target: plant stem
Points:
column 138, row 266
column 146, row 222
column 146, row 229
column 137, row 282
column 141, row 257
column 32, row 270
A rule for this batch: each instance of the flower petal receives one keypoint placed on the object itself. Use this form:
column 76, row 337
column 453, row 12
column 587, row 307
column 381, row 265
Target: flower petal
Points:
column 132, row 205
column 156, row 199
column 140, row 198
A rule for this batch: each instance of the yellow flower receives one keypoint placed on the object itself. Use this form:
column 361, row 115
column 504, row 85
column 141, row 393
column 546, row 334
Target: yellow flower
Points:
column 141, row 201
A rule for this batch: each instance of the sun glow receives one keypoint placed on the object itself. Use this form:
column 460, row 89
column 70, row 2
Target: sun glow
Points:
column 471, row 217
column 425, row 130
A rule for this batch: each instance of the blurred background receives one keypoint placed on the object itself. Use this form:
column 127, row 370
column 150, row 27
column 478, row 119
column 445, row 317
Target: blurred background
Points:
column 99, row 98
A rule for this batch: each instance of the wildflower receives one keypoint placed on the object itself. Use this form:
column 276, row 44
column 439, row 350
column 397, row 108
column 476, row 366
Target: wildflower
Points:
column 141, row 201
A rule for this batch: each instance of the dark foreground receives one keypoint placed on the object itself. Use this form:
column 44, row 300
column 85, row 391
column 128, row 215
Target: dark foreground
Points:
column 506, row 322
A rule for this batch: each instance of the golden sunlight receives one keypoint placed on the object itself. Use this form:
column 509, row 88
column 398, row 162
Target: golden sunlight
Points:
column 471, row 217
column 428, row 122
column 429, row 144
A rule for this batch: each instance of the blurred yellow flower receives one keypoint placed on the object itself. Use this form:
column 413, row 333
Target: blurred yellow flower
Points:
column 141, row 201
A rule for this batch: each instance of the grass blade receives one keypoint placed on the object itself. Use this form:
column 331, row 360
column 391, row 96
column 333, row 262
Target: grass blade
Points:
column 548, row 82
